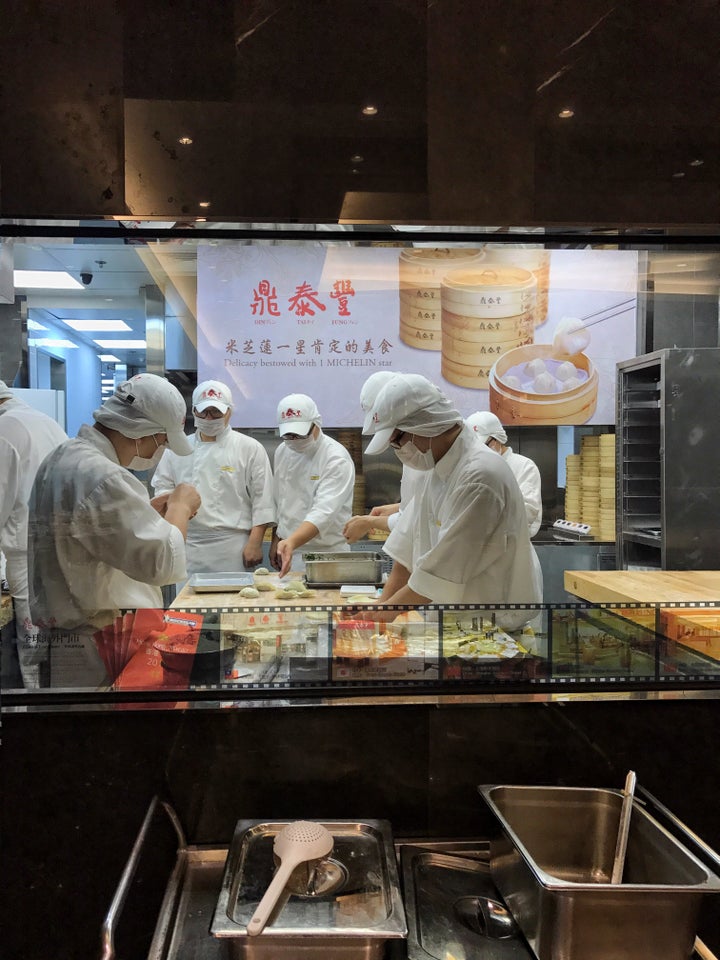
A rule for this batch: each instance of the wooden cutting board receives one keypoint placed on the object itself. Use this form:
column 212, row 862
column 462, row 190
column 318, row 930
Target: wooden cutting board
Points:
column 644, row 586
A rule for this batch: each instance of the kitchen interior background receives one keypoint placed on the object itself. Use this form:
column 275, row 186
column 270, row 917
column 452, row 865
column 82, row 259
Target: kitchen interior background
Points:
column 131, row 305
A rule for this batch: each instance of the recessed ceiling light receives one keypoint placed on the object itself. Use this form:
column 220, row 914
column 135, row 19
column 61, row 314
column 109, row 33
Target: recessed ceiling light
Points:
column 356, row 158
column 121, row 344
column 678, row 174
column 87, row 326
column 108, row 358
column 200, row 219
column 46, row 280
column 355, row 170
column 696, row 163
column 107, row 381
column 369, row 110
column 34, row 325
column 52, row 342
column 185, row 141
column 566, row 113
column 204, row 203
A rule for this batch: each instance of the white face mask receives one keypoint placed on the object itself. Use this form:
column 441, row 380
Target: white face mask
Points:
column 411, row 456
column 302, row 444
column 147, row 463
column 210, row 428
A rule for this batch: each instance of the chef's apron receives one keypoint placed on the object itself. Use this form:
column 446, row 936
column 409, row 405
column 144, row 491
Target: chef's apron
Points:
column 215, row 551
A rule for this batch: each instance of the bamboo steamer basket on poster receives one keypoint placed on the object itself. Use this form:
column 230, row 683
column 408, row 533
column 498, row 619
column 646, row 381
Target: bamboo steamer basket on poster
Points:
column 520, row 405
column 421, row 272
column 534, row 259
column 485, row 313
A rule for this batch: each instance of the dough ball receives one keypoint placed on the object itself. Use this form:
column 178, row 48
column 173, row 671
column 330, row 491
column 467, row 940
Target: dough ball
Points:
column 249, row 593
column 570, row 383
column 264, row 586
column 566, row 370
column 512, row 381
column 545, row 383
column 533, row 368
column 262, row 572
column 571, row 337
column 296, row 585
column 285, row 595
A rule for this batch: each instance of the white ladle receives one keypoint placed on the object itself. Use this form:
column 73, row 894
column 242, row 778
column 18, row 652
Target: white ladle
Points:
column 296, row 843
column 571, row 337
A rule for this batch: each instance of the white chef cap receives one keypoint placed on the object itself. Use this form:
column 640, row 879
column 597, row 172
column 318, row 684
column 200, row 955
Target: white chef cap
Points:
column 5, row 391
column 145, row 405
column 369, row 393
column 212, row 393
column 409, row 402
column 296, row 413
column 486, row 425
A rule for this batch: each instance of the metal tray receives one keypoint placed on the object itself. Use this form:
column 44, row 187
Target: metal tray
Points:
column 220, row 582
column 335, row 569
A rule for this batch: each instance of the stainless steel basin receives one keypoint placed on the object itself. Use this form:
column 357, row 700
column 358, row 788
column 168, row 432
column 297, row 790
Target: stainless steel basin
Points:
column 552, row 861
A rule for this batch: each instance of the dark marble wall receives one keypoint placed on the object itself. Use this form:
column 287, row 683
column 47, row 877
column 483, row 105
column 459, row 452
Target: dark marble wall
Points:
column 77, row 787
column 96, row 96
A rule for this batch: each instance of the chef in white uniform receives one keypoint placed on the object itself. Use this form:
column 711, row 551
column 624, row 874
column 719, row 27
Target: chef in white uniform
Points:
column 464, row 537
column 383, row 517
column 490, row 431
column 27, row 436
column 313, row 478
column 96, row 543
column 232, row 473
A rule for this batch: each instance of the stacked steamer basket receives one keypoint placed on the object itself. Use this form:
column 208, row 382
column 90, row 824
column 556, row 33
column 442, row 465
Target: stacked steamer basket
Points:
column 572, row 488
column 607, row 487
column 590, row 482
column 485, row 313
column 421, row 272
column 531, row 258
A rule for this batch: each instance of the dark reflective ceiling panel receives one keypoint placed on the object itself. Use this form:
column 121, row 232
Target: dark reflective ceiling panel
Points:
column 468, row 128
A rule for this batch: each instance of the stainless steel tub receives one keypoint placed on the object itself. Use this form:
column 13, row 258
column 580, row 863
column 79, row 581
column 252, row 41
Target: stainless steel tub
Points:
column 552, row 862
column 335, row 569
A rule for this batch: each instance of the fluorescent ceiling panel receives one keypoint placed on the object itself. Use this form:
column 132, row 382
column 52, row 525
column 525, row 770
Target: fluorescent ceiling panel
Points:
column 121, row 344
column 108, row 358
column 46, row 280
column 50, row 342
column 90, row 326
column 34, row 325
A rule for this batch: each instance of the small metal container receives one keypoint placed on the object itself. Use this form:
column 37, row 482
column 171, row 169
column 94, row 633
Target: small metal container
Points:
column 335, row 569
column 346, row 907
column 552, row 863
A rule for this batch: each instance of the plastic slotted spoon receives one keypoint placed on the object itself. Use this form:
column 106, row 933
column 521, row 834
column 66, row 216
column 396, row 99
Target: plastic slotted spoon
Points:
column 294, row 844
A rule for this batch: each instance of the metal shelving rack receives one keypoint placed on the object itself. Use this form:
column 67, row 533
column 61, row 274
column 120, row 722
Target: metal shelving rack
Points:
column 668, row 460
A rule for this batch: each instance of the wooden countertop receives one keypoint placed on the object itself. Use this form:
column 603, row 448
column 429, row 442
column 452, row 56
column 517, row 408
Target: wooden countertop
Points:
column 188, row 599
column 644, row 586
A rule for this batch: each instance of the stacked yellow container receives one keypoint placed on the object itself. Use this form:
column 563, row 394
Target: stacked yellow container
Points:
column 572, row 488
column 590, row 482
column 607, row 487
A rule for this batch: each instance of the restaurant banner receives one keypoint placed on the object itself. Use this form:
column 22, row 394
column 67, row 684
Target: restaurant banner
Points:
column 531, row 334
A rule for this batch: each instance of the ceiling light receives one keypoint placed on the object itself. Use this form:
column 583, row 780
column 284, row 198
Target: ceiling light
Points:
column 87, row 326
column 566, row 113
column 200, row 219
column 369, row 110
column 50, row 342
column 108, row 382
column 678, row 174
column 696, row 163
column 46, row 280
column 356, row 158
column 108, row 358
column 204, row 203
column 34, row 325
column 185, row 141
column 121, row 344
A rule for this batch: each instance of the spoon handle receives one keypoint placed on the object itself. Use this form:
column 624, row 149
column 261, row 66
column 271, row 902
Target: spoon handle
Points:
column 263, row 910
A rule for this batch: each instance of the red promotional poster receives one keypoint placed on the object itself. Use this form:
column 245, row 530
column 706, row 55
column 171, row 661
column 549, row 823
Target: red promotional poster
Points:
column 164, row 644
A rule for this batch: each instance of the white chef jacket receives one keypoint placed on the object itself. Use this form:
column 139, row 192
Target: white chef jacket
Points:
column 464, row 537
column 528, row 477
column 409, row 483
column 95, row 544
column 234, row 479
column 27, row 436
column 317, row 487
